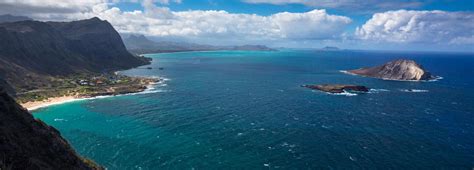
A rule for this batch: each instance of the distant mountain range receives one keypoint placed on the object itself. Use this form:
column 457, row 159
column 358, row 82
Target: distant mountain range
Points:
column 12, row 18
column 33, row 52
column 139, row 44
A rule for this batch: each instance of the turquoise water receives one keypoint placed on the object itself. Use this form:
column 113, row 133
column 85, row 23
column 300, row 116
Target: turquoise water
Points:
column 246, row 110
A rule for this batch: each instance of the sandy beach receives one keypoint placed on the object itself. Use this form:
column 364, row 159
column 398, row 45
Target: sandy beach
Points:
column 30, row 106
column 50, row 101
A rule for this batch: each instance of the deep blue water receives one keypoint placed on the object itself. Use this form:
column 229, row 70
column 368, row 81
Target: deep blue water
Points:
column 246, row 110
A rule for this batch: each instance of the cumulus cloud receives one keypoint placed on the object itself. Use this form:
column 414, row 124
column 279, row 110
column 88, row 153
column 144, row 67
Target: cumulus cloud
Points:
column 64, row 9
column 160, row 21
column 404, row 26
column 345, row 4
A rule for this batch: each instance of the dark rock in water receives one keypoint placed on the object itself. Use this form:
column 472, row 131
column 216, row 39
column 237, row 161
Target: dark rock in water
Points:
column 149, row 68
column 26, row 143
column 396, row 70
column 330, row 48
column 161, row 68
column 338, row 88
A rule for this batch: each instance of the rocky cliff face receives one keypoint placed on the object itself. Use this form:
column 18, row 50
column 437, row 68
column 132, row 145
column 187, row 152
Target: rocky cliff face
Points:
column 26, row 143
column 31, row 51
column 396, row 70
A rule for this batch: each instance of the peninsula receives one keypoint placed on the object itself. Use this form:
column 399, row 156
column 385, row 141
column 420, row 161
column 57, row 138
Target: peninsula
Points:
column 83, row 86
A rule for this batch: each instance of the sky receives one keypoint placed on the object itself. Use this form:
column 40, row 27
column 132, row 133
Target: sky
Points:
column 406, row 25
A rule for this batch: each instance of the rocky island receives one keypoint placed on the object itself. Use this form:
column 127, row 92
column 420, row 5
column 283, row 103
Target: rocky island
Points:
column 404, row 70
column 338, row 88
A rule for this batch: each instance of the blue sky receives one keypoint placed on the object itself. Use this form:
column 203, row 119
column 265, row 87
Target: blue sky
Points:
column 238, row 6
column 416, row 25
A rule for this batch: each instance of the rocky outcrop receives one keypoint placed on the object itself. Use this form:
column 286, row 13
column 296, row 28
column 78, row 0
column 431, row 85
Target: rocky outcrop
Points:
column 396, row 70
column 330, row 48
column 26, row 143
column 338, row 88
column 32, row 52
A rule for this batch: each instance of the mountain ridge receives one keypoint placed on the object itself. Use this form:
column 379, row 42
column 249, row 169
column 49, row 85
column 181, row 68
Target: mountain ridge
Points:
column 29, row 50
column 139, row 44
column 12, row 18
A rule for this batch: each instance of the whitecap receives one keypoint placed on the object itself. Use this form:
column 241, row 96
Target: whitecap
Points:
column 325, row 127
column 378, row 90
column 435, row 79
column 345, row 93
column 59, row 120
column 347, row 72
column 414, row 90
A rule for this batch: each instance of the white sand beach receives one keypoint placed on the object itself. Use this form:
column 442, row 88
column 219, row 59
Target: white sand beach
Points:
column 50, row 101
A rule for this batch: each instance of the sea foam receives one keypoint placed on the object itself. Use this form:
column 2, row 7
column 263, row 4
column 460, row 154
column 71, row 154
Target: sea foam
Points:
column 414, row 90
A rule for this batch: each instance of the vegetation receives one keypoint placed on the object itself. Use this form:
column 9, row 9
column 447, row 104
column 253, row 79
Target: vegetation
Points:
column 85, row 85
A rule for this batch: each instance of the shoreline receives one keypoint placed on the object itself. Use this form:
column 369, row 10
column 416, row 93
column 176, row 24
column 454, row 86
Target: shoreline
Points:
column 31, row 106
column 437, row 78
column 35, row 105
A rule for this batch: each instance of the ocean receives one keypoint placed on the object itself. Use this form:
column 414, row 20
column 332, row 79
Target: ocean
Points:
column 247, row 110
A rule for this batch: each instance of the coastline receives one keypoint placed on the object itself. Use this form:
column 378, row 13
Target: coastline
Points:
column 437, row 78
column 35, row 105
column 31, row 106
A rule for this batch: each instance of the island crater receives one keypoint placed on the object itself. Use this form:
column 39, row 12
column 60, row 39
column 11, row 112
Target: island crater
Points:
column 401, row 69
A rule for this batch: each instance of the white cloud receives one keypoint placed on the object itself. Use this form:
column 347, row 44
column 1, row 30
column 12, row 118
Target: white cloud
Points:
column 211, row 24
column 48, row 9
column 419, row 26
column 61, row 9
column 316, row 24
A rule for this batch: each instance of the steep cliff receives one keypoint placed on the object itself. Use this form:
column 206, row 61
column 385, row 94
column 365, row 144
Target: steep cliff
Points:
column 396, row 70
column 33, row 52
column 26, row 143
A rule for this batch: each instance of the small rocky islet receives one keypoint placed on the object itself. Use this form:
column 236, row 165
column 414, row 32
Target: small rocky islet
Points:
column 401, row 70
column 338, row 88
